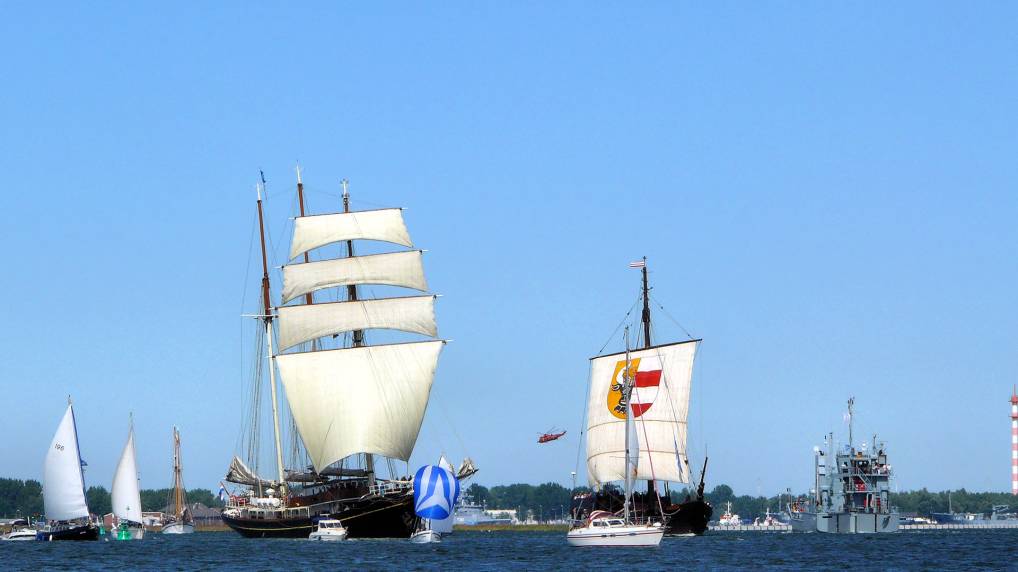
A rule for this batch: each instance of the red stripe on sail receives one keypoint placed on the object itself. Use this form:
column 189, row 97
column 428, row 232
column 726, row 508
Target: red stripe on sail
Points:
column 648, row 378
column 640, row 408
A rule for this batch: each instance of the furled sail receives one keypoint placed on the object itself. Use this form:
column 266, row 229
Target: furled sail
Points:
column 367, row 399
column 299, row 324
column 241, row 474
column 660, row 403
column 63, row 485
column 393, row 269
column 126, row 494
column 311, row 232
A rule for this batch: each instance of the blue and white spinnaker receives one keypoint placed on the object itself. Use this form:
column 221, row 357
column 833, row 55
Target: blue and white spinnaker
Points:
column 436, row 491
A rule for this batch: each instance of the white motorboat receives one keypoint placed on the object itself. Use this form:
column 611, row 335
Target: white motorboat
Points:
column 729, row 518
column 604, row 529
column 19, row 534
column 328, row 529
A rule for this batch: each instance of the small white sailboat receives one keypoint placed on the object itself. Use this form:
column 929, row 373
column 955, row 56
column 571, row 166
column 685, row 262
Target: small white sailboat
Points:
column 126, row 494
column 436, row 491
column 603, row 528
column 180, row 522
column 63, row 487
column 328, row 529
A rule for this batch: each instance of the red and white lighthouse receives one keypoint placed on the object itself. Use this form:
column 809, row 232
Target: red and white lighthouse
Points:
column 1014, row 441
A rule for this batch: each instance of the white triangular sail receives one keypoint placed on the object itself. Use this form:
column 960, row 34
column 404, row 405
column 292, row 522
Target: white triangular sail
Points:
column 359, row 400
column 393, row 269
column 63, row 485
column 302, row 323
column 310, row 232
column 126, row 494
column 444, row 525
column 660, row 399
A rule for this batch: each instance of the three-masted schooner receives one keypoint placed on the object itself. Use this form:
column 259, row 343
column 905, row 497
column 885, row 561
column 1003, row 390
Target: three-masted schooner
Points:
column 662, row 377
column 349, row 403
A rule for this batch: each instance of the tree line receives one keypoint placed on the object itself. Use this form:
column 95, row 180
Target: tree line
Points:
column 548, row 501
column 24, row 498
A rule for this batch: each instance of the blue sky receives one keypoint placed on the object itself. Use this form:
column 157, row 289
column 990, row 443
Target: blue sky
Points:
column 825, row 193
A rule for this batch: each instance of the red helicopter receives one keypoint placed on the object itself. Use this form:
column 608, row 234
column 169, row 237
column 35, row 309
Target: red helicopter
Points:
column 551, row 435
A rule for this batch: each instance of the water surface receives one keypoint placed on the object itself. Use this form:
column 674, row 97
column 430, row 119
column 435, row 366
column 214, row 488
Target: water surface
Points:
column 940, row 550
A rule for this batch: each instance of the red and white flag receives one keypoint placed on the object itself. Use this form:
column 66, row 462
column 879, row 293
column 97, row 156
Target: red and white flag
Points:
column 638, row 264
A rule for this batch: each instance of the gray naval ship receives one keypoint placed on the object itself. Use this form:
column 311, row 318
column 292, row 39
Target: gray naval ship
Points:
column 851, row 492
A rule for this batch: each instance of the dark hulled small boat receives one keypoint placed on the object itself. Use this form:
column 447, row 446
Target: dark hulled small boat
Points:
column 68, row 531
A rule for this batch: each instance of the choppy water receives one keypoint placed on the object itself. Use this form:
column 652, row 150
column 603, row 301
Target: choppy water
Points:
column 947, row 550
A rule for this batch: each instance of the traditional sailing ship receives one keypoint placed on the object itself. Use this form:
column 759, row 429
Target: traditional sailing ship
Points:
column 126, row 493
column 355, row 407
column 63, row 487
column 181, row 521
column 662, row 375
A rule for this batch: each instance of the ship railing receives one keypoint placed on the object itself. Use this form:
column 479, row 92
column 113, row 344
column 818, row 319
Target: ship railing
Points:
column 385, row 487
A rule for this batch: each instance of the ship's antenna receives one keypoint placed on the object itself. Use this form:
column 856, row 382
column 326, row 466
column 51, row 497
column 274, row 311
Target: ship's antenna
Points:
column 851, row 443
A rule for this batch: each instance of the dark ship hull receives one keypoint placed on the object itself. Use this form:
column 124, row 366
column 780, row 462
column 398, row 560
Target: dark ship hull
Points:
column 389, row 516
column 69, row 532
column 690, row 517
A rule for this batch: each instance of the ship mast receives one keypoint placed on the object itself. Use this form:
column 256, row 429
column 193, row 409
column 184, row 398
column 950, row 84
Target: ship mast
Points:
column 651, row 487
column 267, row 320
column 646, row 307
column 309, row 297
column 178, row 485
column 358, row 335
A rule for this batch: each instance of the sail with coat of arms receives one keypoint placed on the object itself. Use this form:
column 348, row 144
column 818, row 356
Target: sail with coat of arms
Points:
column 660, row 403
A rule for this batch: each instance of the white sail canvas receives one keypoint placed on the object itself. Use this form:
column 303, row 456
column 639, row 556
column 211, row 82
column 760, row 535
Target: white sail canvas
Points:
column 368, row 399
column 126, row 493
column 63, row 485
column 310, row 232
column 660, row 401
column 393, row 269
column 298, row 324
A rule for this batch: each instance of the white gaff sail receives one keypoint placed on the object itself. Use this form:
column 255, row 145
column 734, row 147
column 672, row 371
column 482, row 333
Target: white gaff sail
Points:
column 63, row 485
column 660, row 403
column 126, row 493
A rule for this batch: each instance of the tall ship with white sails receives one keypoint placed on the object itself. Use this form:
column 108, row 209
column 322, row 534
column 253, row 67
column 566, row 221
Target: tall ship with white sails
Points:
column 662, row 376
column 354, row 409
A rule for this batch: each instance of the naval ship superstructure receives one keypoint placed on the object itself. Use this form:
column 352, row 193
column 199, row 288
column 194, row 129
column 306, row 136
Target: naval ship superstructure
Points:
column 851, row 491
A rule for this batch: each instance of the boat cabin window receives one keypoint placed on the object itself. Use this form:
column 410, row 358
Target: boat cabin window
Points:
column 599, row 523
column 615, row 523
